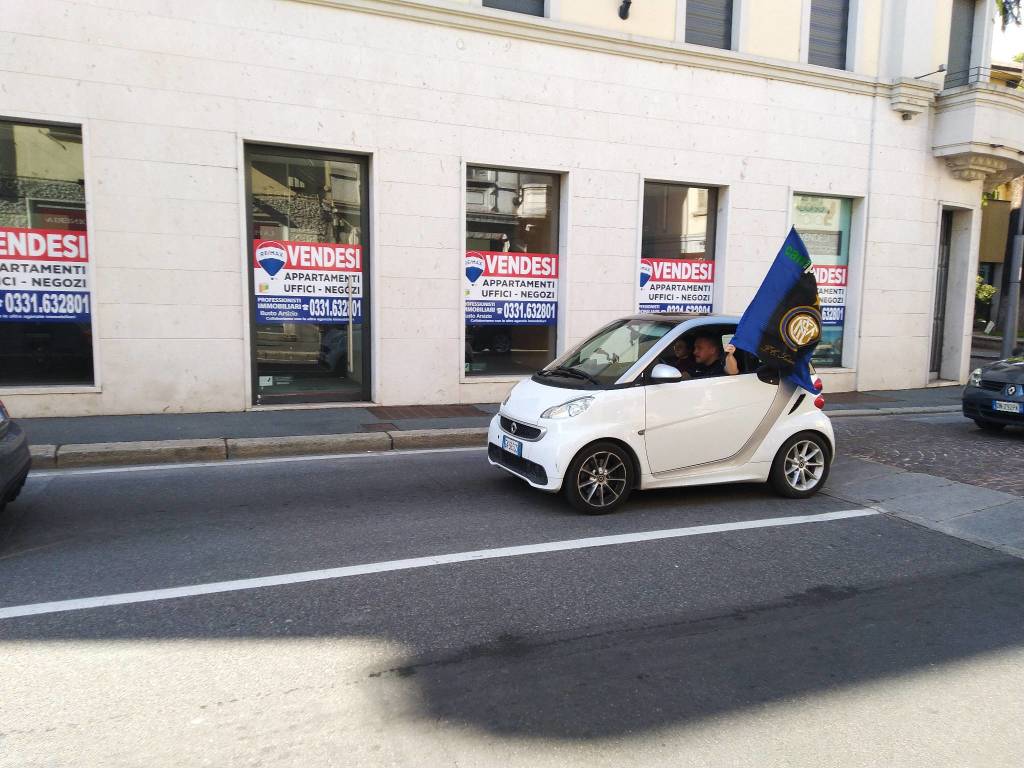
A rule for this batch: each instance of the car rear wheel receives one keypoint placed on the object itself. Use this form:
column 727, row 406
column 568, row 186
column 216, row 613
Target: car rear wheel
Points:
column 599, row 479
column 801, row 466
column 989, row 426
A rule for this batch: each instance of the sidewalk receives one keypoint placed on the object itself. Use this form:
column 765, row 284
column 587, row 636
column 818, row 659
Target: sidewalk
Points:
column 158, row 438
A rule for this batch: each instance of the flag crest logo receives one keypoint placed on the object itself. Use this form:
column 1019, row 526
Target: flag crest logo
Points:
column 271, row 256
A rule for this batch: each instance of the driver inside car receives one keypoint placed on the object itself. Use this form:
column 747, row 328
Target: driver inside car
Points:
column 712, row 359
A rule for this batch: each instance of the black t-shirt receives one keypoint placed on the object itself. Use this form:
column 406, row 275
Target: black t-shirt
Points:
column 716, row 368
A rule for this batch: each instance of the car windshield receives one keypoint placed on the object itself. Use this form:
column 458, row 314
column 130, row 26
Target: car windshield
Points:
column 609, row 353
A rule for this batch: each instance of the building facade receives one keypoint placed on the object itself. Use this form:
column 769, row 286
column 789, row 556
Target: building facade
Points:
column 260, row 203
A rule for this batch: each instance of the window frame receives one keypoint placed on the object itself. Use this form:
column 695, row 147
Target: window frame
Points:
column 52, row 120
column 564, row 268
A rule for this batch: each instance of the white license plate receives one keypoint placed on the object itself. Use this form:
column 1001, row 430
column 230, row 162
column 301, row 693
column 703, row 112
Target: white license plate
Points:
column 999, row 405
column 512, row 446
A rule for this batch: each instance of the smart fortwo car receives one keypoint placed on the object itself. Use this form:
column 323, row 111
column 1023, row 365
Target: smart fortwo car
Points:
column 614, row 414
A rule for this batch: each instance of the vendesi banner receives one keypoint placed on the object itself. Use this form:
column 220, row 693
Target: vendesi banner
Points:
column 44, row 276
column 299, row 282
column 677, row 285
column 832, row 293
column 511, row 288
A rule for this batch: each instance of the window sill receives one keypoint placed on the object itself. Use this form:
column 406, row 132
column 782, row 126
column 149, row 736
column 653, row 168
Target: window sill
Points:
column 508, row 379
column 49, row 390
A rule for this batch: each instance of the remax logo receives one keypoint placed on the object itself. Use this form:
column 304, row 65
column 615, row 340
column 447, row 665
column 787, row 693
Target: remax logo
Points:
column 474, row 266
column 645, row 272
column 271, row 256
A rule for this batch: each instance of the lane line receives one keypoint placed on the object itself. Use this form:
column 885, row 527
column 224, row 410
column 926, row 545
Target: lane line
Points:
column 51, row 473
column 260, row 582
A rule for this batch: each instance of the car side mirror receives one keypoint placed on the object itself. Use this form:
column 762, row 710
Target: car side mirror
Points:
column 663, row 372
column 768, row 374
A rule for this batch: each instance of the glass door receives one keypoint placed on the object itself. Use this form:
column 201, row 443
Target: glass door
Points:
column 309, row 268
column 941, row 284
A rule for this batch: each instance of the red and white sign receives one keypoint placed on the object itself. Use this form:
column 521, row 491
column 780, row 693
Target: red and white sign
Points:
column 300, row 282
column 677, row 285
column 511, row 288
column 44, row 245
column 44, row 275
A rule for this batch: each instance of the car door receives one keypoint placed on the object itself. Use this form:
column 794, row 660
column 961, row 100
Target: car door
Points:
column 703, row 420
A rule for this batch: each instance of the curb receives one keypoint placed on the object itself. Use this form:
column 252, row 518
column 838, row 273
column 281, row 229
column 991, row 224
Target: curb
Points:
column 225, row 449
column 893, row 411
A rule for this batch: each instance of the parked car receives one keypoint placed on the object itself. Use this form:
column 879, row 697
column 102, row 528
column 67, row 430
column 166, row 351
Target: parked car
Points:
column 14, row 458
column 994, row 395
column 613, row 415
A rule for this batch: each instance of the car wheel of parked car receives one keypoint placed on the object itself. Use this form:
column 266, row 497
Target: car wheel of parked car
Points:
column 989, row 426
column 599, row 479
column 801, row 466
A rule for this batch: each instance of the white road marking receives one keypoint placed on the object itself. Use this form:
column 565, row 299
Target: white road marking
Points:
column 126, row 598
column 50, row 473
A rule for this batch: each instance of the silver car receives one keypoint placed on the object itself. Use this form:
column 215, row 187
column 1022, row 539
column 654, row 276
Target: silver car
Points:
column 15, row 459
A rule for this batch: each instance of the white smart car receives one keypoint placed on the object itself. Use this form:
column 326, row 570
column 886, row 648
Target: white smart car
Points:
column 613, row 414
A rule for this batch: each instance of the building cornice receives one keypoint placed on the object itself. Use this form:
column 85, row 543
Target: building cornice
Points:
column 475, row 18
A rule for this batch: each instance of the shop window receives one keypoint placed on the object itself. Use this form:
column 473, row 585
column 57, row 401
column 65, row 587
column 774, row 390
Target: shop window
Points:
column 45, row 293
column 310, row 310
column 829, row 22
column 709, row 22
column 511, row 270
column 824, row 225
column 531, row 7
column 677, row 252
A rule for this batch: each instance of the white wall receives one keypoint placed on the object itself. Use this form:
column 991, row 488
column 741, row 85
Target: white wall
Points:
column 169, row 92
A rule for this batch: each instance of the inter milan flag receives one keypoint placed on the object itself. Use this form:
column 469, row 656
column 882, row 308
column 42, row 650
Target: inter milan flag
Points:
column 782, row 325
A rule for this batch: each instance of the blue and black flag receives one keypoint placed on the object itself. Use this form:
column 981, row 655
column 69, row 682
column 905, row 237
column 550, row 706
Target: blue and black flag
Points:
column 782, row 325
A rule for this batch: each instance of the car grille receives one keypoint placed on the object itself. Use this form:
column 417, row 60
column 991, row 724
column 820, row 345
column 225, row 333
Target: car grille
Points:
column 992, row 386
column 523, row 431
column 528, row 469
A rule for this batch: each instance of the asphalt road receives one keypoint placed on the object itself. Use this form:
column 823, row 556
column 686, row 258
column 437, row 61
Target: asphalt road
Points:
column 848, row 642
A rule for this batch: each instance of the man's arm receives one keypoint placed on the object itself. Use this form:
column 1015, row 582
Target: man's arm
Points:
column 731, row 366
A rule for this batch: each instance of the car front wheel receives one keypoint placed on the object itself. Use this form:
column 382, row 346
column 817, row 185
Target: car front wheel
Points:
column 801, row 466
column 599, row 479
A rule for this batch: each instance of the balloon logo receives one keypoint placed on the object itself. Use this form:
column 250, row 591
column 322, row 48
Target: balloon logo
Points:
column 271, row 256
column 474, row 266
column 645, row 273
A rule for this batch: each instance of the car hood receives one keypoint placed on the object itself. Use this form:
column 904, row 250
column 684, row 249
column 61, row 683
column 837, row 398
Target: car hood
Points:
column 529, row 399
column 1009, row 371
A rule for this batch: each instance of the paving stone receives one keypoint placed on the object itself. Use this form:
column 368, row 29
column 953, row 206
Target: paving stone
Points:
column 895, row 485
column 948, row 502
column 43, row 456
column 1002, row 525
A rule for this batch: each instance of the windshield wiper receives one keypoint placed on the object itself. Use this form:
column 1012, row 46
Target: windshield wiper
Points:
column 576, row 373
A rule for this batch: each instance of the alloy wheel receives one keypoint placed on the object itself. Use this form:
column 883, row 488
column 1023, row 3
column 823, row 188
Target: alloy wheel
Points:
column 602, row 479
column 804, row 465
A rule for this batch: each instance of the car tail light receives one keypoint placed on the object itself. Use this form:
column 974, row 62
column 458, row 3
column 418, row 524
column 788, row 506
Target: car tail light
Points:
column 818, row 386
column 819, row 402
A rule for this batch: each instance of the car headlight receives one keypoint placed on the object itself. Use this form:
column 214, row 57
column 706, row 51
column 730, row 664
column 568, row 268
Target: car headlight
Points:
column 569, row 409
column 975, row 380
